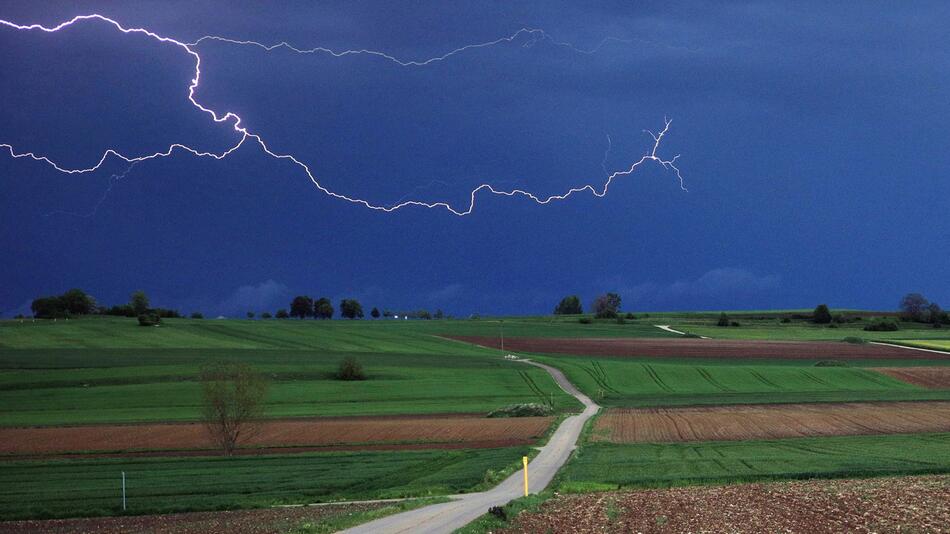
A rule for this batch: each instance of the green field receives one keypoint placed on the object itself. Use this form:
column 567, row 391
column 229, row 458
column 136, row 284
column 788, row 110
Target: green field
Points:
column 607, row 466
column 69, row 488
column 668, row 382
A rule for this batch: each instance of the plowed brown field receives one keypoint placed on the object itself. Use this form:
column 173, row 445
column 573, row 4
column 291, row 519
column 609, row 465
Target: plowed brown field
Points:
column 928, row 377
column 703, row 348
column 663, row 425
column 899, row 504
column 350, row 432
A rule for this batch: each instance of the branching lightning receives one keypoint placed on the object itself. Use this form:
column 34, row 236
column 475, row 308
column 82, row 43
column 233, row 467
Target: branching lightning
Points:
column 534, row 36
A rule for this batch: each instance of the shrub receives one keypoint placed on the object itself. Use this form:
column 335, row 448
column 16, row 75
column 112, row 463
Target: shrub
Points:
column 723, row 319
column 351, row 369
column 197, row 315
column 734, row 323
column 831, row 363
column 265, row 315
column 854, row 339
column 585, row 320
column 833, row 325
column 630, row 316
column 882, row 325
column 786, row 320
column 149, row 319
column 522, row 410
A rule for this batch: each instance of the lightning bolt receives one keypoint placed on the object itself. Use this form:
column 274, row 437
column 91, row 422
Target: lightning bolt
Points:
column 534, row 36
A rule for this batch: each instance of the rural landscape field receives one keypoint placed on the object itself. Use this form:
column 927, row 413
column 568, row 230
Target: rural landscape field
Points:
column 88, row 399
column 534, row 267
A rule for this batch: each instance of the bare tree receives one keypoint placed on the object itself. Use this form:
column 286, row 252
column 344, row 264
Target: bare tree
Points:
column 232, row 396
column 913, row 306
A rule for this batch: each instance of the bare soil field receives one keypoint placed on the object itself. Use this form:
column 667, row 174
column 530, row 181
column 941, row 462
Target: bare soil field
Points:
column 927, row 377
column 899, row 504
column 294, row 435
column 266, row 521
column 703, row 348
column 724, row 423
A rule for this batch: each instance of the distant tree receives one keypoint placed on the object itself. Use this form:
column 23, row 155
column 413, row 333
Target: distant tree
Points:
column 606, row 306
column 301, row 307
column 139, row 302
column 78, row 302
column 934, row 314
column 439, row 314
column 265, row 315
column 374, row 313
column 423, row 314
column 250, row 315
column 723, row 320
column 197, row 315
column 232, row 402
column 351, row 309
column 387, row 313
column 48, row 308
column 821, row 315
column 570, row 305
column 323, row 308
column 913, row 306
column 282, row 314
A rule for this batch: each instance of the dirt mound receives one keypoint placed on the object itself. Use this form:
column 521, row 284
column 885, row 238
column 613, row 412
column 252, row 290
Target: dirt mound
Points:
column 702, row 348
column 664, row 425
column 900, row 504
column 927, row 377
column 294, row 435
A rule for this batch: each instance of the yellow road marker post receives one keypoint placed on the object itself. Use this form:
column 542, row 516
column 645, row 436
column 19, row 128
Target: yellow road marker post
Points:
column 524, row 459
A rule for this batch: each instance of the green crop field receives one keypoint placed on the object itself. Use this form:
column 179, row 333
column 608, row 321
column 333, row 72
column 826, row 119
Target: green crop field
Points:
column 603, row 466
column 666, row 382
column 69, row 488
column 50, row 386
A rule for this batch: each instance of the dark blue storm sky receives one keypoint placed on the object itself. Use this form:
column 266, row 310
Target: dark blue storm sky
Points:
column 813, row 141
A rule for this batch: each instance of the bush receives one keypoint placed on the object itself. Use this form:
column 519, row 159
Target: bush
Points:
column 854, row 339
column 786, row 320
column 351, row 369
column 630, row 316
column 522, row 410
column 882, row 325
column 585, row 320
column 833, row 325
column 149, row 319
column 831, row 363
column 197, row 315
column 723, row 319
column 734, row 323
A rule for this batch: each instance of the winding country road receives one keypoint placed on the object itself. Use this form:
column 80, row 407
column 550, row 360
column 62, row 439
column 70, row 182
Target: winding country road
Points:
column 447, row 517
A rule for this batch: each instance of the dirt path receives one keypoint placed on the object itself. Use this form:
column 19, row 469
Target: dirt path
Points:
column 447, row 517
column 669, row 329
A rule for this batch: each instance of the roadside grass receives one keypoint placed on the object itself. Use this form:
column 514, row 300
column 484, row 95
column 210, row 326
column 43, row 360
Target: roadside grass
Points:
column 599, row 466
column 635, row 382
column 81, row 386
column 345, row 520
column 92, row 487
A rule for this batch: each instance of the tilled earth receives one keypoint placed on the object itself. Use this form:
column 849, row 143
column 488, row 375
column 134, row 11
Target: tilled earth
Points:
column 898, row 504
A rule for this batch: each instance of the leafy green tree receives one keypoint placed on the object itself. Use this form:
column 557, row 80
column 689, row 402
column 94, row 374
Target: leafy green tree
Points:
column 250, row 315
column 282, row 314
column 935, row 314
column 606, row 306
column 439, row 314
column 374, row 313
column 323, row 308
column 301, row 307
column 913, row 306
column 821, row 315
column 569, row 305
column 265, row 315
column 78, row 302
column 351, row 309
column 139, row 302
column 48, row 308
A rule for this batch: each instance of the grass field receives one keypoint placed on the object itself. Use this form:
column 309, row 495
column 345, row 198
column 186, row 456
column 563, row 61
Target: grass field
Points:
column 156, row 485
column 605, row 466
column 616, row 382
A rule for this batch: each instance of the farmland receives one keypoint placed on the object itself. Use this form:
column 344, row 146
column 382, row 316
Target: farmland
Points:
column 69, row 488
column 663, row 425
